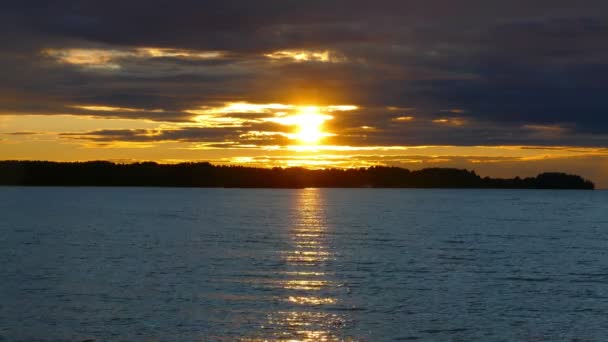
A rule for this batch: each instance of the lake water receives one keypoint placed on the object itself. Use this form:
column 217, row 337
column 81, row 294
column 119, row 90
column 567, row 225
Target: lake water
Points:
column 170, row 264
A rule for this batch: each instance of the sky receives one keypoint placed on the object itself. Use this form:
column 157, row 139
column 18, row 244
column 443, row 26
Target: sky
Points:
column 506, row 88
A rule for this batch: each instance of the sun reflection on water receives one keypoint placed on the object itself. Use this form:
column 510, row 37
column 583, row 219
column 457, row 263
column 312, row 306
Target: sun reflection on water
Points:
column 307, row 282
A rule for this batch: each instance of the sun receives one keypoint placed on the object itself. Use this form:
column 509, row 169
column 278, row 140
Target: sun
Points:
column 310, row 125
column 305, row 121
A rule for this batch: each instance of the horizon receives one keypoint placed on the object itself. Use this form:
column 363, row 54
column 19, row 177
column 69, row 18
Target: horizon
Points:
column 313, row 167
column 190, row 174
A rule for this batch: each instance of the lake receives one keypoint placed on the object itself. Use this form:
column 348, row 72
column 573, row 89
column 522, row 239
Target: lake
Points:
column 165, row 264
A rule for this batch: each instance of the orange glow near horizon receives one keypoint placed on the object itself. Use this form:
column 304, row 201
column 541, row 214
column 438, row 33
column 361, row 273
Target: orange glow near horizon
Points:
column 302, row 141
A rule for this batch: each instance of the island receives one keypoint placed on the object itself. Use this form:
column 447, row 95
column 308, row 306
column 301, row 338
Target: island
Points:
column 203, row 174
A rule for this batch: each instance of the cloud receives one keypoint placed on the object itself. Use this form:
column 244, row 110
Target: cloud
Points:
column 120, row 136
column 22, row 133
column 487, row 73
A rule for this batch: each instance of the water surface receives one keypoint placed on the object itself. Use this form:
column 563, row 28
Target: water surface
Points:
column 164, row 264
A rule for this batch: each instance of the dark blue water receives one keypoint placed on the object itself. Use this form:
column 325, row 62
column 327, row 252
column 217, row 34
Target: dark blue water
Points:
column 302, row 265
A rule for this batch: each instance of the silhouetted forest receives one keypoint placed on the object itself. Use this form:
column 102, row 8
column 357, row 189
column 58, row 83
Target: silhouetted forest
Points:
column 102, row 173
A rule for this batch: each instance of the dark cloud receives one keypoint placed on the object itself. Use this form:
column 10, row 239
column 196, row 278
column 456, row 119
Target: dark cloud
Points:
column 188, row 134
column 22, row 133
column 505, row 65
column 255, row 134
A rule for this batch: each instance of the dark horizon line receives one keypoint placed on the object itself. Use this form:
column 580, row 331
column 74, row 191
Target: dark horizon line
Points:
column 205, row 174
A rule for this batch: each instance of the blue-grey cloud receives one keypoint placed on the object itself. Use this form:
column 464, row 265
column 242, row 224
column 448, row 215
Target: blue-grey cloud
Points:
column 505, row 65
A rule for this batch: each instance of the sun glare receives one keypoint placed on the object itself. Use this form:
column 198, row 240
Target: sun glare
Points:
column 310, row 122
column 305, row 122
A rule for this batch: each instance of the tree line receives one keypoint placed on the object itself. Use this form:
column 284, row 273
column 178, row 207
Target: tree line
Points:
column 103, row 173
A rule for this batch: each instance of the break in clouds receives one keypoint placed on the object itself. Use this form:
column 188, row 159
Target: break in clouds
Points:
column 414, row 72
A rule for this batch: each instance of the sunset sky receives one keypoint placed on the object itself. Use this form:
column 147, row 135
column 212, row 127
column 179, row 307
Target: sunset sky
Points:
column 502, row 87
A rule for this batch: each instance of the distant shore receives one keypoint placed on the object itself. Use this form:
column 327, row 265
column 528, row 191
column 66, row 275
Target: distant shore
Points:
column 103, row 173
